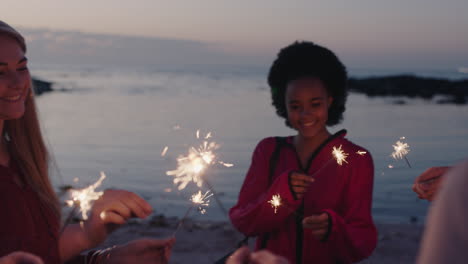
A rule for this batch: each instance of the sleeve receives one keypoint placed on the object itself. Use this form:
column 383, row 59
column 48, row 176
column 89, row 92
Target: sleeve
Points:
column 353, row 234
column 445, row 238
column 253, row 214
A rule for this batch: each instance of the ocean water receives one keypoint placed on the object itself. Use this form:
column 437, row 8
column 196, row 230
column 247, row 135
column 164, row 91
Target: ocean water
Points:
column 118, row 120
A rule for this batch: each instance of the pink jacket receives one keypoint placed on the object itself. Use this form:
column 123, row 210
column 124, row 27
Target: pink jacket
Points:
column 344, row 192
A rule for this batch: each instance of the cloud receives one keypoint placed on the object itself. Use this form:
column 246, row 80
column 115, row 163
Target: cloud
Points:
column 71, row 47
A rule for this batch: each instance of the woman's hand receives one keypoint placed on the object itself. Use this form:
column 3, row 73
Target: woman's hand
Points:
column 151, row 251
column 110, row 211
column 243, row 255
column 428, row 183
column 318, row 224
column 299, row 183
column 19, row 257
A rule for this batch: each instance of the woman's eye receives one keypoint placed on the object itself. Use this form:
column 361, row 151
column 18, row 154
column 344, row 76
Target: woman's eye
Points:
column 23, row 68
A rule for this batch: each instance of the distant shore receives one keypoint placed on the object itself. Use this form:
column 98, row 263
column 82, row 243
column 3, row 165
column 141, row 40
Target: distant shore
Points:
column 411, row 86
column 208, row 241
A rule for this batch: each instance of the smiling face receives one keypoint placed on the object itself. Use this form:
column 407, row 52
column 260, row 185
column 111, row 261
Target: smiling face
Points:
column 307, row 103
column 14, row 79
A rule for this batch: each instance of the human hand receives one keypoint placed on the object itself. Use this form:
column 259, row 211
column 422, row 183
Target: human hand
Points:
column 299, row 183
column 150, row 251
column 110, row 211
column 19, row 257
column 318, row 223
column 428, row 183
column 243, row 255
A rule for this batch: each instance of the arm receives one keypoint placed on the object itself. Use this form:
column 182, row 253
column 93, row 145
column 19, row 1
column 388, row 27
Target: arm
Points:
column 353, row 233
column 446, row 235
column 253, row 215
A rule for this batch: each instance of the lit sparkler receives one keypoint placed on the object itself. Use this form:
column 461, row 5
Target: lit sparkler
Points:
column 339, row 155
column 192, row 166
column 201, row 200
column 401, row 149
column 83, row 198
column 275, row 202
column 198, row 199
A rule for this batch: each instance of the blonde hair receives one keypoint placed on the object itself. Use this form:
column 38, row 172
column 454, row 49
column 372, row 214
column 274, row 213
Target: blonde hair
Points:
column 26, row 144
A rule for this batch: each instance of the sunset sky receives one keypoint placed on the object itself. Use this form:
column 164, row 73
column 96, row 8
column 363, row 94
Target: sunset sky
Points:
column 365, row 33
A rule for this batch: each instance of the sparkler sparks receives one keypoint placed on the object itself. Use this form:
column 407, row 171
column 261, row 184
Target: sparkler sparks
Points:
column 275, row 202
column 192, row 166
column 201, row 200
column 401, row 149
column 163, row 153
column 83, row 198
column 198, row 199
column 339, row 155
column 361, row 152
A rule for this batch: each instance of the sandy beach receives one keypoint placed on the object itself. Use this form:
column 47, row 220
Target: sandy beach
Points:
column 207, row 241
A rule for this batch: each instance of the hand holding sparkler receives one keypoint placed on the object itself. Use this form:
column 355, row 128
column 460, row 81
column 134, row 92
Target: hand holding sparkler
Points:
column 243, row 255
column 299, row 183
column 318, row 224
column 427, row 184
column 110, row 211
column 152, row 251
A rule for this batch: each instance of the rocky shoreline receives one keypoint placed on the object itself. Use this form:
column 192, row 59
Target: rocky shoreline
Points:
column 410, row 86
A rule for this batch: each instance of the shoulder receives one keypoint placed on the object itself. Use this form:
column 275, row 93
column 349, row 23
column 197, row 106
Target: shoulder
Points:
column 267, row 146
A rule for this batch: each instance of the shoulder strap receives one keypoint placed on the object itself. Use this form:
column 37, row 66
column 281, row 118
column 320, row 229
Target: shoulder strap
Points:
column 280, row 142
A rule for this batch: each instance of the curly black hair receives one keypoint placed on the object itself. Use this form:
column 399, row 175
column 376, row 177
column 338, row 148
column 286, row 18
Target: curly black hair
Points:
column 307, row 59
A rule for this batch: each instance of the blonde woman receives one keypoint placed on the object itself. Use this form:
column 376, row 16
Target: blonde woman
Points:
column 30, row 219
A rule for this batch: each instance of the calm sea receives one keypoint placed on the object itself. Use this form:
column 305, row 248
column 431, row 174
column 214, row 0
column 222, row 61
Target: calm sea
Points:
column 119, row 120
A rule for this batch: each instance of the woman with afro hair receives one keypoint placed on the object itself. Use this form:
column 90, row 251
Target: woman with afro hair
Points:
column 325, row 216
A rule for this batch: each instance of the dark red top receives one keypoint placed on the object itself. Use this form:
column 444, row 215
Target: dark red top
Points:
column 25, row 223
column 344, row 192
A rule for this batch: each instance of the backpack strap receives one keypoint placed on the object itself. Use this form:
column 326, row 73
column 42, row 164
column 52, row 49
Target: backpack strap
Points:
column 280, row 142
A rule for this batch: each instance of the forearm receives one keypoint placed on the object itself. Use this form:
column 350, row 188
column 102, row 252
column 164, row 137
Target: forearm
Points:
column 72, row 242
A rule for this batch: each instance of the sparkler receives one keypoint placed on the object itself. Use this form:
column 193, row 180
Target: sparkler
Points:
column 401, row 149
column 83, row 199
column 275, row 202
column 338, row 155
column 201, row 201
column 193, row 166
